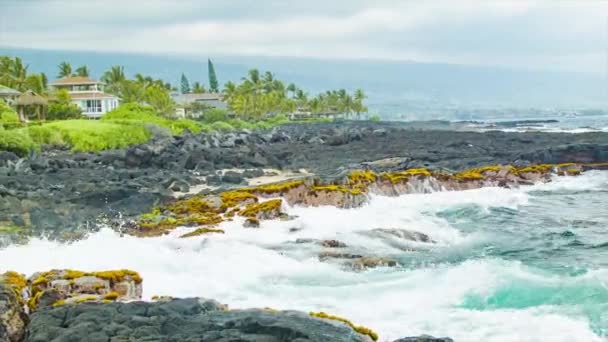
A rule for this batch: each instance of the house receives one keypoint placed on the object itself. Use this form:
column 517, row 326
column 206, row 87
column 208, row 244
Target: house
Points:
column 88, row 95
column 9, row 95
column 187, row 103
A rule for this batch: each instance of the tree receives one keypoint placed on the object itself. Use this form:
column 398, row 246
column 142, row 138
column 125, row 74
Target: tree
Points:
column 213, row 83
column 65, row 70
column 292, row 89
column 359, row 97
column 62, row 108
column 198, row 88
column 82, row 71
column 229, row 92
column 185, row 85
column 113, row 78
column 159, row 98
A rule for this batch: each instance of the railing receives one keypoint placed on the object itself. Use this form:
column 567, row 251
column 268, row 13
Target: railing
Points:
column 93, row 110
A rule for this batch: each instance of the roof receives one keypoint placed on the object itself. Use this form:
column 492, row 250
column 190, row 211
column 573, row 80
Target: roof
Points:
column 6, row 91
column 91, row 95
column 30, row 98
column 75, row 80
column 192, row 97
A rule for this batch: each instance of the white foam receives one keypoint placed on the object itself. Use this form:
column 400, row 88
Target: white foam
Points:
column 244, row 268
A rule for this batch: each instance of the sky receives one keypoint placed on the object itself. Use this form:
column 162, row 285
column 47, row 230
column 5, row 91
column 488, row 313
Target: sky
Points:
column 544, row 34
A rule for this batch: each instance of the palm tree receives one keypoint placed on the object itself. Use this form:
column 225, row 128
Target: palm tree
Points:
column 82, row 71
column 65, row 70
column 359, row 96
column 113, row 78
column 229, row 91
column 18, row 74
column 198, row 88
column 292, row 89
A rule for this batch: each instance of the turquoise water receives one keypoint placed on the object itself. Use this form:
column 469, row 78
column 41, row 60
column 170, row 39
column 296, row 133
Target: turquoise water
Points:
column 528, row 264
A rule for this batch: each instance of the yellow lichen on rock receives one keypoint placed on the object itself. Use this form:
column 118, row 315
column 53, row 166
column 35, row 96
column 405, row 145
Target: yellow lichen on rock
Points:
column 362, row 177
column 118, row 275
column 268, row 209
column 231, row 199
column 202, row 231
column 111, row 296
column 59, row 303
column 275, row 188
column 86, row 299
column 360, row 329
column 196, row 204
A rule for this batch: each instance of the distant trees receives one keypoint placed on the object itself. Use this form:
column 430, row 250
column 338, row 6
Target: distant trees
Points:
column 141, row 89
column 198, row 88
column 185, row 85
column 14, row 74
column 65, row 70
column 262, row 94
column 62, row 108
column 213, row 83
column 82, row 71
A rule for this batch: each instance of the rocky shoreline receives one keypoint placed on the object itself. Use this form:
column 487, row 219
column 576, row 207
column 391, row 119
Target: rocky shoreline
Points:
column 200, row 181
column 71, row 305
column 87, row 188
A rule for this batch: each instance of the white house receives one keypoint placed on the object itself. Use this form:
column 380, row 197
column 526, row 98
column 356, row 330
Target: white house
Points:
column 88, row 94
column 208, row 100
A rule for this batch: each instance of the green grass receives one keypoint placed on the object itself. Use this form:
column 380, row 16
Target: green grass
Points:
column 132, row 113
column 87, row 135
column 127, row 125
column 17, row 142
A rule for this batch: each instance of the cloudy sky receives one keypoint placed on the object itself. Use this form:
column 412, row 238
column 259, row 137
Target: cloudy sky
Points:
column 544, row 34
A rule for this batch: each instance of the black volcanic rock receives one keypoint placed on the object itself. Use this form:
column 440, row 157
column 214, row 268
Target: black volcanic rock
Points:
column 176, row 320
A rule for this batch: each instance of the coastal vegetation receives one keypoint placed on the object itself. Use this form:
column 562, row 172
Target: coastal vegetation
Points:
column 258, row 101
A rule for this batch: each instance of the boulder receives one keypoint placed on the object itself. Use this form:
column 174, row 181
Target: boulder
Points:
column 371, row 262
column 403, row 234
column 424, row 338
column 192, row 319
column 61, row 287
column 13, row 318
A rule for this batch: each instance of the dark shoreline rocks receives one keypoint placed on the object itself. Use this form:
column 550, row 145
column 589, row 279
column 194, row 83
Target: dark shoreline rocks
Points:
column 57, row 192
column 190, row 319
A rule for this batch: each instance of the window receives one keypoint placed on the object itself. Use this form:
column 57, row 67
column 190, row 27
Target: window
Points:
column 93, row 106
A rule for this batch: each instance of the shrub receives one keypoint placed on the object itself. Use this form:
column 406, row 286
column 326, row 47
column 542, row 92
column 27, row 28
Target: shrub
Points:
column 278, row 120
column 9, row 117
column 375, row 118
column 178, row 126
column 88, row 135
column 131, row 111
column 45, row 135
column 63, row 111
column 214, row 115
column 222, row 126
column 16, row 141
column 240, row 124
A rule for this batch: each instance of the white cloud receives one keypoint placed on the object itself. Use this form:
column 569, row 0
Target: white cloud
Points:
column 535, row 34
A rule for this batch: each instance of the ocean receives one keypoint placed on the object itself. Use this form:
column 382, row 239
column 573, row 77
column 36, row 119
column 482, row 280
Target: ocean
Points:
column 526, row 264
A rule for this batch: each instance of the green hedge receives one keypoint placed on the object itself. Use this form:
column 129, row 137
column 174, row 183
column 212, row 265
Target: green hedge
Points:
column 16, row 141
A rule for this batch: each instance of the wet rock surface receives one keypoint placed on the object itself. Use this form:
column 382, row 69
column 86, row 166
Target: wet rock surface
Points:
column 190, row 319
column 424, row 338
column 13, row 317
column 86, row 187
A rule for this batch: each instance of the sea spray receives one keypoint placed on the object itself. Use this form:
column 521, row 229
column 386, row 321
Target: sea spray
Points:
column 502, row 267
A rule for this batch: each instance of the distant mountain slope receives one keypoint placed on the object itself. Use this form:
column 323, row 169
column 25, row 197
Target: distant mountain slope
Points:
column 410, row 89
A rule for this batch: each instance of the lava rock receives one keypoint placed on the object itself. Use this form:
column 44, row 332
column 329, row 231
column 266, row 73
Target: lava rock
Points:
column 424, row 338
column 191, row 319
